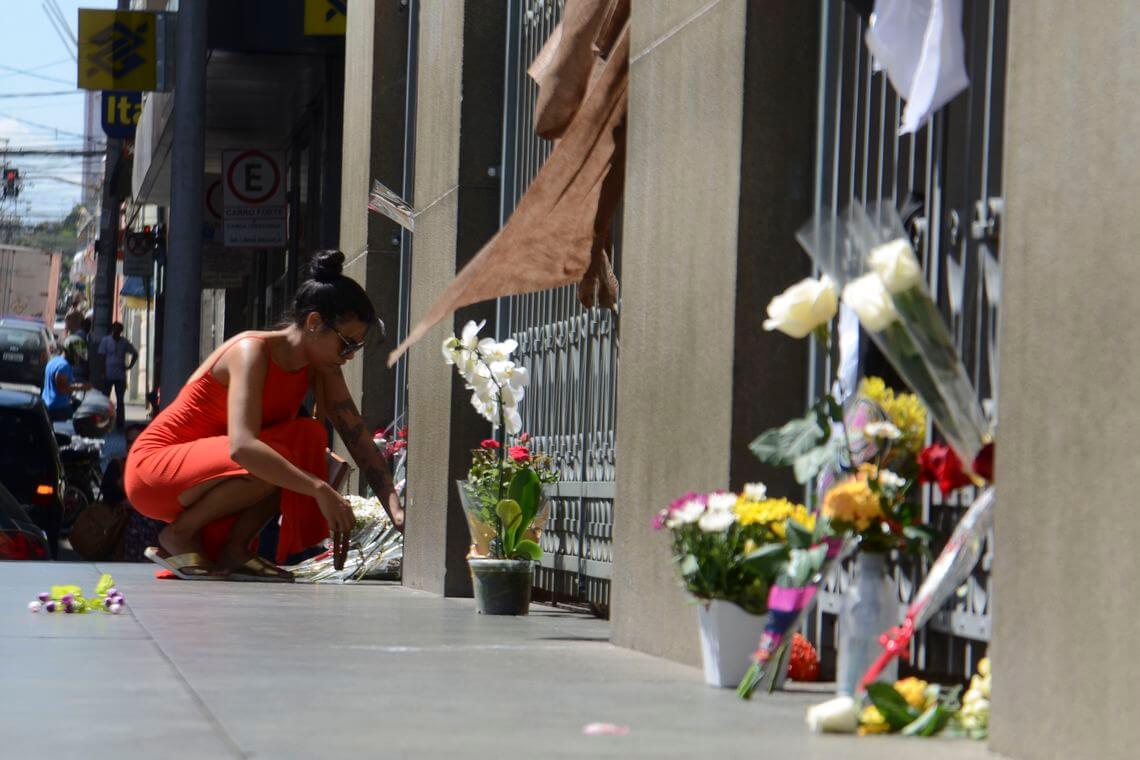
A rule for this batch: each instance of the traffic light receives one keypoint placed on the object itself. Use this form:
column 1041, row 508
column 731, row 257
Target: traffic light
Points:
column 11, row 182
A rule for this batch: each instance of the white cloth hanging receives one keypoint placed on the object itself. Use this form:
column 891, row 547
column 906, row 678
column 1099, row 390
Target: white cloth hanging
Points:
column 919, row 44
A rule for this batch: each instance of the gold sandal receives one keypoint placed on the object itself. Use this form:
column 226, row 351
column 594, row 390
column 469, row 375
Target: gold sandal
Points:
column 259, row 570
column 190, row 566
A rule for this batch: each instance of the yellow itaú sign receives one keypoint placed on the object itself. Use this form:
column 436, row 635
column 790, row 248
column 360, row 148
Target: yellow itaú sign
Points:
column 326, row 17
column 117, row 50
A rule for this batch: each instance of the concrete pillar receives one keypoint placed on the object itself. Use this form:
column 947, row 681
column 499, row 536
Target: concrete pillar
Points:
column 458, row 139
column 373, row 126
column 711, row 207
column 679, row 238
column 1066, row 566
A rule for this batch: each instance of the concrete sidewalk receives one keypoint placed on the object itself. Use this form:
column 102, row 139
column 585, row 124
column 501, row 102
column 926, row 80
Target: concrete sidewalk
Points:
column 219, row 670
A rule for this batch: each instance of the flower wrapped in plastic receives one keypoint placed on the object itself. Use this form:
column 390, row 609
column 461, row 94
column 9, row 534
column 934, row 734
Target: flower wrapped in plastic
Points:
column 869, row 256
column 376, row 548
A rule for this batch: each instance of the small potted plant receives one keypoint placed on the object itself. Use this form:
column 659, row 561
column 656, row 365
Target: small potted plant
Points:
column 503, row 496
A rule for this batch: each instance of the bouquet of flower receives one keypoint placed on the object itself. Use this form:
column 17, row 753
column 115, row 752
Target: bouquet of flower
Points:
column 503, row 495
column 376, row 548
column 911, row 707
column 732, row 547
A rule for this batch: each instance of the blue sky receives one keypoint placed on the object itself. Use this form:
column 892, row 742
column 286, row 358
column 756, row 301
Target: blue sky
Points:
column 51, row 122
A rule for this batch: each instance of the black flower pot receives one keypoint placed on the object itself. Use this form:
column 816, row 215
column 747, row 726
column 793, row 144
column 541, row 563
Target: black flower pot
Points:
column 502, row 586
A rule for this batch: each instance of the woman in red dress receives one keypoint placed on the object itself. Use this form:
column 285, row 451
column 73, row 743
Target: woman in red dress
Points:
column 230, row 452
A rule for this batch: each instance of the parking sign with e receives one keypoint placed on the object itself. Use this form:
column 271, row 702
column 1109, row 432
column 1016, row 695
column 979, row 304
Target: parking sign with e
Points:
column 254, row 210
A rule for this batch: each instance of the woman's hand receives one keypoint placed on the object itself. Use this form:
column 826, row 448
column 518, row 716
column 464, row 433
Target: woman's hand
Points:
column 395, row 510
column 335, row 509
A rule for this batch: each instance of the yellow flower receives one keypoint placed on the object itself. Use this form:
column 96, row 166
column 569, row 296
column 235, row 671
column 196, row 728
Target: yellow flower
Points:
column 904, row 410
column 984, row 667
column 852, row 502
column 762, row 512
column 913, row 690
column 872, row 722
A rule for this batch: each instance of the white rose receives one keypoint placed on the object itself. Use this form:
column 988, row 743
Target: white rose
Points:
column 802, row 307
column 716, row 520
column 891, row 480
column 896, row 264
column 722, row 502
column 755, row 491
column 837, row 716
column 686, row 514
column 871, row 302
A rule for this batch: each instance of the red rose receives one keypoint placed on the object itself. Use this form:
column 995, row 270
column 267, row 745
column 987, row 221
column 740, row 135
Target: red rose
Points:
column 490, row 444
column 518, row 453
column 524, row 438
column 984, row 462
column 939, row 464
column 403, row 433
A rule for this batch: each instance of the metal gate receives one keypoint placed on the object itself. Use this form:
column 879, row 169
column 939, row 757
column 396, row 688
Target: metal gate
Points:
column 571, row 353
column 946, row 180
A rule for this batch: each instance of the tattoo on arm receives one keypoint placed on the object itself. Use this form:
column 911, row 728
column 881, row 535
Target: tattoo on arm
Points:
column 346, row 419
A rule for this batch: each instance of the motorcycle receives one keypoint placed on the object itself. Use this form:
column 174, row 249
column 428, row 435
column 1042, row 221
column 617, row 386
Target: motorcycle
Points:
column 81, row 440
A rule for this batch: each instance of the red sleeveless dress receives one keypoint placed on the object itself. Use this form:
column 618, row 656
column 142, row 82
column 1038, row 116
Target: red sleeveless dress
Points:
column 187, row 444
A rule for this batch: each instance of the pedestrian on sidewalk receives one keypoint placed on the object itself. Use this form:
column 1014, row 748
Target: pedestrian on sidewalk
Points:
column 230, row 453
column 115, row 349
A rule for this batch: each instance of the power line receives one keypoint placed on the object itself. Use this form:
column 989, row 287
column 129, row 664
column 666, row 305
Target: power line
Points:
column 50, row 94
column 31, row 72
column 73, row 153
column 42, row 126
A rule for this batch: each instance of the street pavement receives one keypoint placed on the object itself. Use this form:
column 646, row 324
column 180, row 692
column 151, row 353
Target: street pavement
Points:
column 228, row 670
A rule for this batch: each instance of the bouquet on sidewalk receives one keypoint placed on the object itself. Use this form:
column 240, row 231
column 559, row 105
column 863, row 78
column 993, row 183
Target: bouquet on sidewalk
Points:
column 376, row 548
column 911, row 707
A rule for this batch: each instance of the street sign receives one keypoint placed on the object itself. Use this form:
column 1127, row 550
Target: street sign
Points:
column 138, row 254
column 326, row 17
column 118, row 50
column 254, row 209
column 120, row 113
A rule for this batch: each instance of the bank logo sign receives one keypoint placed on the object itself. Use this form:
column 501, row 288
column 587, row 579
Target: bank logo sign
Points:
column 325, row 17
column 117, row 50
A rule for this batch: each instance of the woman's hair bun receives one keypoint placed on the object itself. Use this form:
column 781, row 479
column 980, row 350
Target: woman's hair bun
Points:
column 326, row 266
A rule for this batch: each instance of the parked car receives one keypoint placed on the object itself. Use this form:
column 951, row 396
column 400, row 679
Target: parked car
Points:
column 25, row 347
column 30, row 466
column 20, row 538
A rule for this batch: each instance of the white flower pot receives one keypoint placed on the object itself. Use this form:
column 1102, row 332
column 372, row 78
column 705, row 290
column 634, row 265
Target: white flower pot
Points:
column 870, row 609
column 729, row 636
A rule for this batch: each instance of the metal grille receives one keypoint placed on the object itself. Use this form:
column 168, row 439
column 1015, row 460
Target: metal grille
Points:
column 571, row 353
column 948, row 177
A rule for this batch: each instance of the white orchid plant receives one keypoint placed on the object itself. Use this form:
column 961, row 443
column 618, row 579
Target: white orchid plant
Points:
column 503, row 499
column 496, row 383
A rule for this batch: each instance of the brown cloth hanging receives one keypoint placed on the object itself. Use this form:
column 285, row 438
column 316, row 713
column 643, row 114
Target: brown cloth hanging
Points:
column 560, row 232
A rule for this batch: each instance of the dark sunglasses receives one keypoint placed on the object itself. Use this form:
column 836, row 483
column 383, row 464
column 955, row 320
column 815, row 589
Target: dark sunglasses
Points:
column 352, row 346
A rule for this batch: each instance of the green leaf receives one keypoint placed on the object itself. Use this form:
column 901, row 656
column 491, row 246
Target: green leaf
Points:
column 798, row 537
column 526, row 489
column 932, row 720
column 766, row 561
column 105, row 584
column 510, row 513
column 781, row 446
column 807, row 465
column 527, row 549
column 891, row 705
